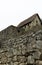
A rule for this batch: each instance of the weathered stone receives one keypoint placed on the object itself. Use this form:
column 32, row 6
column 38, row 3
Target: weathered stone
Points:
column 15, row 58
column 16, row 63
column 22, row 64
column 9, row 60
column 1, row 50
column 30, row 59
column 39, row 44
column 4, row 59
column 19, row 47
column 22, row 59
column 8, row 54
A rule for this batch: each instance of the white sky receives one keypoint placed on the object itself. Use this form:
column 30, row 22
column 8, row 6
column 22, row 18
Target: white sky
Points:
column 12, row 12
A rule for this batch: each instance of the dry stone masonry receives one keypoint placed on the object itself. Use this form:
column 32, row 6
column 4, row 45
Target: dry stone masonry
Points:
column 25, row 49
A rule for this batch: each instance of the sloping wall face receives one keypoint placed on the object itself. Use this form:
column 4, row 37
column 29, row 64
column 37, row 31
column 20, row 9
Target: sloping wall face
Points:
column 8, row 33
column 35, row 22
column 22, row 50
column 32, row 23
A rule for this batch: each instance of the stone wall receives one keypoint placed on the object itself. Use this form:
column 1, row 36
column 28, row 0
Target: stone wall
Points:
column 31, row 24
column 23, row 50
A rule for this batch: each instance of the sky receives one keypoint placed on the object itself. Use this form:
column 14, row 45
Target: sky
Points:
column 12, row 12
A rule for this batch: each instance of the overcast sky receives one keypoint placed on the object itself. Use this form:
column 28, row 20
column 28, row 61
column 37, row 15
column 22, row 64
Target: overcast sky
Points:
column 12, row 12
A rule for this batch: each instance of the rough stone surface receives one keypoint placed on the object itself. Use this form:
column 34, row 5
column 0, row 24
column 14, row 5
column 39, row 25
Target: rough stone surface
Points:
column 21, row 47
column 21, row 50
